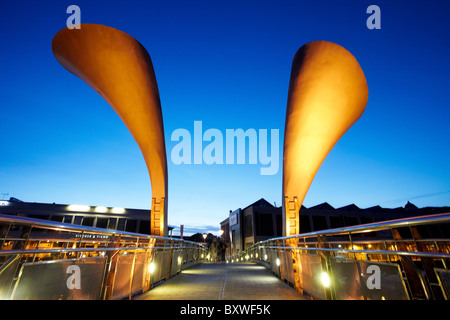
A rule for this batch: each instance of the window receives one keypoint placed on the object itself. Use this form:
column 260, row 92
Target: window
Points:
column 102, row 223
column 352, row 221
column 144, row 226
column 336, row 222
column 320, row 223
column 38, row 216
column 248, row 225
column 365, row 220
column 112, row 223
column 121, row 225
column 264, row 224
column 279, row 222
column 88, row 221
column 57, row 218
column 131, row 225
column 77, row 220
column 305, row 225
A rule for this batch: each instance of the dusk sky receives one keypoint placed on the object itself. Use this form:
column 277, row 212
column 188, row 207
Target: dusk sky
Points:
column 227, row 64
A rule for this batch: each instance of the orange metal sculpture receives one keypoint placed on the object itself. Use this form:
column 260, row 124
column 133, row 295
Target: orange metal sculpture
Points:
column 120, row 69
column 327, row 95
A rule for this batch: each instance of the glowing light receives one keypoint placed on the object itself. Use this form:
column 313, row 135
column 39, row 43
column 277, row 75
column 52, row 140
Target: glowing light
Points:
column 179, row 260
column 325, row 279
column 151, row 267
column 118, row 210
column 78, row 207
column 278, row 262
column 246, row 257
column 101, row 209
column 265, row 257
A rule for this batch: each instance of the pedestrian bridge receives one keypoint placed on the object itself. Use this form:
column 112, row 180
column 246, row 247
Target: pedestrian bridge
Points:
column 392, row 260
column 223, row 281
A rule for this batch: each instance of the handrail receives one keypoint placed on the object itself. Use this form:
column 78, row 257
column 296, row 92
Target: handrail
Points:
column 375, row 226
column 322, row 246
column 60, row 226
column 26, row 240
column 32, row 251
column 374, row 252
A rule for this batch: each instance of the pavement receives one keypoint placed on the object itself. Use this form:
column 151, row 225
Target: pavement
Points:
column 223, row 281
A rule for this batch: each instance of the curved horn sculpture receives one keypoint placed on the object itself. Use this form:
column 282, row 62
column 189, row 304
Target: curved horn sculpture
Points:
column 327, row 95
column 120, row 69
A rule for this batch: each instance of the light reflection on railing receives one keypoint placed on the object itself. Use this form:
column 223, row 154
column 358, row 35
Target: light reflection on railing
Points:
column 411, row 267
column 34, row 252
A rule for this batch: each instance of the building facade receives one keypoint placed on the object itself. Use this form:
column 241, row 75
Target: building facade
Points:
column 261, row 221
column 122, row 219
column 256, row 222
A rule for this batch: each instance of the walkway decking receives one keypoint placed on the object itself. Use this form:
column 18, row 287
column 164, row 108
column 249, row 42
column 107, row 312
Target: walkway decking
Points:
column 221, row 281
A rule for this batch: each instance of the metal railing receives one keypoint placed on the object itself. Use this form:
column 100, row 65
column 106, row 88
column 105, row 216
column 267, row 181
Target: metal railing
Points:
column 50, row 260
column 394, row 259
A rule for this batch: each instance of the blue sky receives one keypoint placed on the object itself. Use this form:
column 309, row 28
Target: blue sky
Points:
column 227, row 64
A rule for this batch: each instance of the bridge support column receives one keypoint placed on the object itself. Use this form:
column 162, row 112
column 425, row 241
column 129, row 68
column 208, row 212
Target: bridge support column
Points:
column 291, row 223
column 158, row 218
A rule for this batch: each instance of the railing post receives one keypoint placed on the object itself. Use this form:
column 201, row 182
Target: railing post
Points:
column 413, row 277
column 110, row 270
column 295, row 263
column 428, row 265
column 148, row 275
column 169, row 273
column 279, row 255
column 324, row 257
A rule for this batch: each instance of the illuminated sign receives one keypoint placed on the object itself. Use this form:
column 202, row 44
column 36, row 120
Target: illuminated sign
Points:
column 92, row 236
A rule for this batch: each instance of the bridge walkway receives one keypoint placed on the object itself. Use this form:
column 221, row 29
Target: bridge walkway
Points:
column 222, row 281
